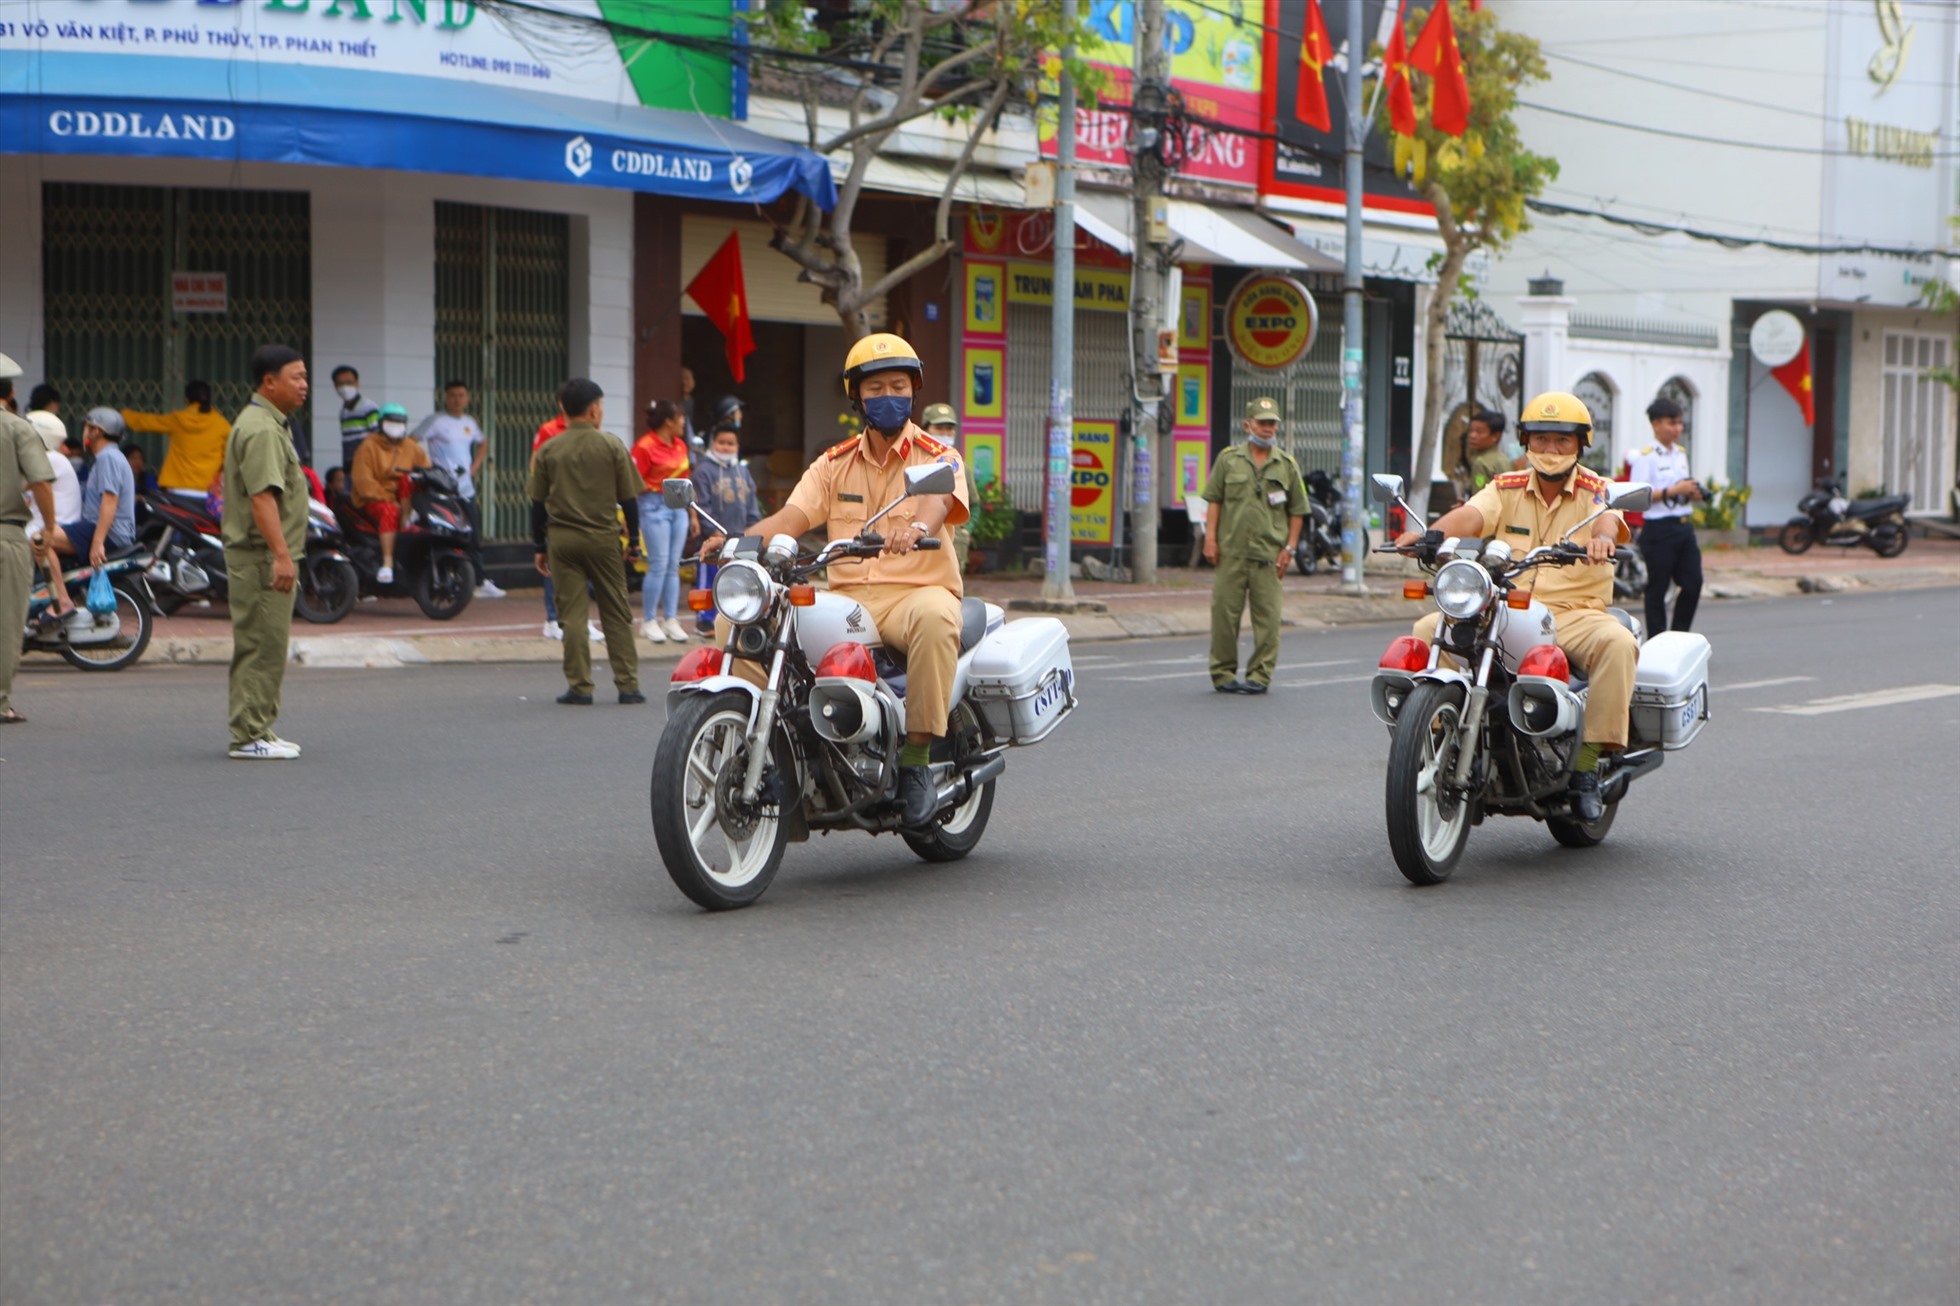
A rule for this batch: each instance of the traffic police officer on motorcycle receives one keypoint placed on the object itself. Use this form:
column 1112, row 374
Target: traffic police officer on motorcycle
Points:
column 913, row 595
column 1538, row 506
column 1667, row 541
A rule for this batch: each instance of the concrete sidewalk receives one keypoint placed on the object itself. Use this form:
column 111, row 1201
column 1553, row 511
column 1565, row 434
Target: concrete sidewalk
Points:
column 393, row 632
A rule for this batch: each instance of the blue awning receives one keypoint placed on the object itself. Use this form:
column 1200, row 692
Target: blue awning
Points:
column 153, row 107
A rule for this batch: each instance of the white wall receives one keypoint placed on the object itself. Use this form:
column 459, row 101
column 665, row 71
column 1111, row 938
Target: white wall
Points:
column 373, row 268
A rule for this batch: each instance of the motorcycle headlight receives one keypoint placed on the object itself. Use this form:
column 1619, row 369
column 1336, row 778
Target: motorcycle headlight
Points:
column 1463, row 589
column 741, row 592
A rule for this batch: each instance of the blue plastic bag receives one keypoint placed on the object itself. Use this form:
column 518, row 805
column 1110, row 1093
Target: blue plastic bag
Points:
column 101, row 598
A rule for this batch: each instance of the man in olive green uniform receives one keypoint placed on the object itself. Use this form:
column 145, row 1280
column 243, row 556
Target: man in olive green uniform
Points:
column 264, row 532
column 1483, row 449
column 577, row 479
column 1253, row 509
column 24, row 470
column 943, row 424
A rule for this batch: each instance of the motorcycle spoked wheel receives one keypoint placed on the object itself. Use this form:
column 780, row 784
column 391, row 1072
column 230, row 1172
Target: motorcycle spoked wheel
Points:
column 1426, row 827
column 444, row 587
column 328, row 590
column 956, row 831
column 132, row 636
column 1574, row 833
column 718, row 853
column 1888, row 540
column 1796, row 536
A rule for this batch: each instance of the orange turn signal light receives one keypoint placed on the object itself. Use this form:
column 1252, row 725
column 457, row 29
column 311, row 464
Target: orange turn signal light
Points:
column 700, row 600
column 802, row 596
column 1415, row 589
column 1519, row 599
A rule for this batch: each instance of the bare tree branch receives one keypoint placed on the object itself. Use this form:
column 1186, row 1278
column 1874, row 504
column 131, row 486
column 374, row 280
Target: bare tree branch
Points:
column 895, row 119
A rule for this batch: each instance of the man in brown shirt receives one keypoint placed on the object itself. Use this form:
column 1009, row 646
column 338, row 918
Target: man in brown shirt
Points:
column 381, row 489
column 912, row 594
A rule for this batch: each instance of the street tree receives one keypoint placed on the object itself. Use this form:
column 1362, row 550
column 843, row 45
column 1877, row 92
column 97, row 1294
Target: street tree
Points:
column 1478, row 183
column 883, row 64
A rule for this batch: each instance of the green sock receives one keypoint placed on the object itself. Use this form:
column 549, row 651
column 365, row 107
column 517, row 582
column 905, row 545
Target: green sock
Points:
column 1587, row 760
column 915, row 755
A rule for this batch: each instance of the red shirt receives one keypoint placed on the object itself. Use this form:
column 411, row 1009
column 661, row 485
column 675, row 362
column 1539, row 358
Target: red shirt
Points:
column 556, row 426
column 659, row 459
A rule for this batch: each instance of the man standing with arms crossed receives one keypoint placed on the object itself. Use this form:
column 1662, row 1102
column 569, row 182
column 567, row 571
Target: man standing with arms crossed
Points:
column 1255, row 503
column 264, row 531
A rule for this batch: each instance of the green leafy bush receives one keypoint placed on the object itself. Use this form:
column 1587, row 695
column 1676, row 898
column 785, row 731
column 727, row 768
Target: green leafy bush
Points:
column 993, row 514
column 1722, row 510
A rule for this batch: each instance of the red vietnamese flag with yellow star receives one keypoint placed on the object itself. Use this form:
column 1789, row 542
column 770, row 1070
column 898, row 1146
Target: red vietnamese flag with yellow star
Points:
column 723, row 296
column 1401, row 99
column 1316, row 49
column 1436, row 53
column 1794, row 376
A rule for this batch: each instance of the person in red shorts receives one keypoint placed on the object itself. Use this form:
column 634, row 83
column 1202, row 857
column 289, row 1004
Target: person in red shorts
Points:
column 381, row 468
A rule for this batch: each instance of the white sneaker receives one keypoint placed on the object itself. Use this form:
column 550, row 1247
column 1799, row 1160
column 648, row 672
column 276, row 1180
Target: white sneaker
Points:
column 552, row 630
column 674, row 630
column 593, row 632
column 650, row 629
column 287, row 743
column 266, row 750
column 386, row 576
column 488, row 590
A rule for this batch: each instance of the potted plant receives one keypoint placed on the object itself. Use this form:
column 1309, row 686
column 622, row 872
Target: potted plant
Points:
column 1718, row 518
column 992, row 526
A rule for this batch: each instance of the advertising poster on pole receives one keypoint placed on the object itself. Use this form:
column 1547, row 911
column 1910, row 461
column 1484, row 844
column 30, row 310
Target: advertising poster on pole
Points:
column 1092, row 484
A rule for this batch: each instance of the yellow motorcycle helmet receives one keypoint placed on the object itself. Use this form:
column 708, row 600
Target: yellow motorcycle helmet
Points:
column 1557, row 413
column 880, row 352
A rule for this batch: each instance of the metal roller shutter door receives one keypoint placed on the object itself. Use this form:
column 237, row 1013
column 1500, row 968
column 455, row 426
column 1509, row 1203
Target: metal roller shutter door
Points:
column 1102, row 368
column 775, row 295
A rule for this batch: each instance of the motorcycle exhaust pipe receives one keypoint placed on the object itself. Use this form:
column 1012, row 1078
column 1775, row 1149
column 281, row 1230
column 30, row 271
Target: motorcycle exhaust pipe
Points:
column 961, row 787
column 845, row 710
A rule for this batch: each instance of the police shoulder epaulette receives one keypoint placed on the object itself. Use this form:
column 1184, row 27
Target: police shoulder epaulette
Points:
column 1642, row 453
column 1511, row 480
column 1588, row 479
column 929, row 444
column 839, row 450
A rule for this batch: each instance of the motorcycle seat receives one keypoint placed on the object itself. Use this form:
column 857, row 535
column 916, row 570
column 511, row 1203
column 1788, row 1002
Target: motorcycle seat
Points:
column 1877, row 507
column 973, row 623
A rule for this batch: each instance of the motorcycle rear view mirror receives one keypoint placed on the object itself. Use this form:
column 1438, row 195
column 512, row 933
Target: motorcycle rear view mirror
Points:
column 930, row 478
column 1387, row 488
column 1630, row 496
column 677, row 492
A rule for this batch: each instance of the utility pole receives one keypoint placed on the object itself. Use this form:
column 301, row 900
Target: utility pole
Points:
column 1055, row 582
column 1149, row 99
column 1354, row 430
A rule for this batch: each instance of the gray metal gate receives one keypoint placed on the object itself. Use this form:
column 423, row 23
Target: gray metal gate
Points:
column 1483, row 367
column 1308, row 394
column 107, row 257
column 1102, row 370
column 503, row 308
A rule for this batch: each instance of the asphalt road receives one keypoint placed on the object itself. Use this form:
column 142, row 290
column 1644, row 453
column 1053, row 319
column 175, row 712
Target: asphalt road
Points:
column 420, row 1019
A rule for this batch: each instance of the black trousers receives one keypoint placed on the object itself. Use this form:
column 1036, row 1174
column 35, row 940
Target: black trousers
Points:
column 475, row 547
column 1673, row 558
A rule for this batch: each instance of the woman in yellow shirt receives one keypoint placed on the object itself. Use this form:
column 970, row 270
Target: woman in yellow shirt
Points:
column 197, row 436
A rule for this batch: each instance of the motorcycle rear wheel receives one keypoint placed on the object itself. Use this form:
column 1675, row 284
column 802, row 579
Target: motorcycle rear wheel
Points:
column 132, row 636
column 328, row 590
column 1585, row 834
column 1426, row 828
column 719, row 855
column 444, row 587
column 957, row 832
column 1796, row 536
column 1888, row 540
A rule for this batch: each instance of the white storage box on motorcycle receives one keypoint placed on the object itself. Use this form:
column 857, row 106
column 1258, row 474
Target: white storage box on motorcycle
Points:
column 1670, row 689
column 1022, row 679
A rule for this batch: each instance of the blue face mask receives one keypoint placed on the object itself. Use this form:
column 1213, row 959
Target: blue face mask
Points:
column 888, row 414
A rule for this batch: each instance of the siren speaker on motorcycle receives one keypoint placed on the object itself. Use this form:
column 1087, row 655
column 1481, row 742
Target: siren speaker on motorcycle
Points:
column 1540, row 706
column 845, row 711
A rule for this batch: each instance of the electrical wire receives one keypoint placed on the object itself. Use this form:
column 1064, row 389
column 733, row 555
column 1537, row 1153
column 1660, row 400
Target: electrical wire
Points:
column 1813, row 151
column 1646, row 228
column 1683, row 86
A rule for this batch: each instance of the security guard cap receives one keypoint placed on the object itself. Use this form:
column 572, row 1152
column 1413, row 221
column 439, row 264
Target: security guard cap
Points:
column 1557, row 413
column 1262, row 410
column 880, row 352
column 9, row 369
column 939, row 415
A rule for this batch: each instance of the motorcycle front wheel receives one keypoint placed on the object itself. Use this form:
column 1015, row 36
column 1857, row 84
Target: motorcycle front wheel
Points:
column 132, row 635
column 1796, row 536
column 1888, row 539
column 720, row 852
column 328, row 589
column 444, row 587
column 1427, row 828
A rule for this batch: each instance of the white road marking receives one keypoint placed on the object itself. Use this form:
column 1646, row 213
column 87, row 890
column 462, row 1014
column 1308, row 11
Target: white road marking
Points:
column 1329, row 680
column 1853, row 702
column 1765, row 684
column 1184, row 675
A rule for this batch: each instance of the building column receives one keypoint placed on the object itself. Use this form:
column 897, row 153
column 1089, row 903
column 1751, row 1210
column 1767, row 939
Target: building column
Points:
column 1546, row 318
column 656, row 305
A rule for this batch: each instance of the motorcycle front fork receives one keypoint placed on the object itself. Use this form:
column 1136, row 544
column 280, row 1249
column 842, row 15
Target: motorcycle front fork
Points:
column 1474, row 706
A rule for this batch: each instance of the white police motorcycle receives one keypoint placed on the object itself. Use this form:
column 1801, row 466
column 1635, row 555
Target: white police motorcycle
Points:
column 747, row 764
column 1498, row 738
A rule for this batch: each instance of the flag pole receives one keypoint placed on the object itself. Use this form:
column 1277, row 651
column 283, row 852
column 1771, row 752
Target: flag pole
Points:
column 1353, row 427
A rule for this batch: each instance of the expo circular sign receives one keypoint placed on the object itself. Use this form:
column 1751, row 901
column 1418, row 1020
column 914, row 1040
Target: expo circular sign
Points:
column 1088, row 481
column 1271, row 321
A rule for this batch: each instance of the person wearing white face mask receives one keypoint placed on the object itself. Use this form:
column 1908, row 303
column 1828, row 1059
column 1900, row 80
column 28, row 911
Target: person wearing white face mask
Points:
column 724, row 487
column 359, row 415
column 381, row 488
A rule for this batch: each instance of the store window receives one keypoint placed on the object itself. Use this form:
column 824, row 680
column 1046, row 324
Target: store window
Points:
column 1915, row 418
column 1598, row 393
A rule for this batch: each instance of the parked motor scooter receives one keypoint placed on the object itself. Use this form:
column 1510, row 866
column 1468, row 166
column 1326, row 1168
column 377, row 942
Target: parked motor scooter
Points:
column 1828, row 517
column 1320, row 534
column 329, row 583
column 112, row 639
column 187, row 544
column 432, row 562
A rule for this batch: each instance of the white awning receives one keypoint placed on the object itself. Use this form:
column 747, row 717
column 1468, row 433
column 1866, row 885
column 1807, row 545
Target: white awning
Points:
column 1107, row 218
column 1400, row 257
column 1238, row 237
column 916, row 177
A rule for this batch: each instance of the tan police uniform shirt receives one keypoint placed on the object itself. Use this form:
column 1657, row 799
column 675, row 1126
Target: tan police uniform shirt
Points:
column 847, row 485
column 1513, row 512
